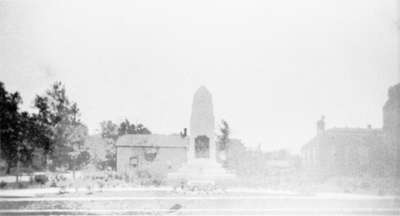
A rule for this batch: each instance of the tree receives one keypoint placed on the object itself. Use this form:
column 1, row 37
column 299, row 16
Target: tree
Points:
column 223, row 138
column 141, row 129
column 9, row 126
column 127, row 128
column 44, row 127
column 61, row 117
column 28, row 141
column 110, row 133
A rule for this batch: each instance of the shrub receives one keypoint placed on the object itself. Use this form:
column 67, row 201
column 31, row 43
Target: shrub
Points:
column 21, row 185
column 156, row 182
column 3, row 184
column 41, row 179
column 143, row 174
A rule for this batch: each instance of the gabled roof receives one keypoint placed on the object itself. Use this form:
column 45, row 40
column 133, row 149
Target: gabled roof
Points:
column 153, row 140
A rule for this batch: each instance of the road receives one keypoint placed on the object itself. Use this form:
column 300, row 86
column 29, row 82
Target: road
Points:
column 228, row 203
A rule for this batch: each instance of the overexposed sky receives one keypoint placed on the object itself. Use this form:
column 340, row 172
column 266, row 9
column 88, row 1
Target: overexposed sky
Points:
column 273, row 67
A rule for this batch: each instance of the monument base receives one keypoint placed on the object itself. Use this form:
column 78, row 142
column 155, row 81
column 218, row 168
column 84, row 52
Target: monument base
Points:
column 200, row 170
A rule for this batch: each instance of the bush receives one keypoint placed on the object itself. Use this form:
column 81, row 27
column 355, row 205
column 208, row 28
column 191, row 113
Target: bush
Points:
column 58, row 181
column 41, row 179
column 156, row 182
column 21, row 185
column 3, row 184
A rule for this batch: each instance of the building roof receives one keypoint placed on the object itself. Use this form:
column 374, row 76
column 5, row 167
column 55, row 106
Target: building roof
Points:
column 153, row 140
column 345, row 136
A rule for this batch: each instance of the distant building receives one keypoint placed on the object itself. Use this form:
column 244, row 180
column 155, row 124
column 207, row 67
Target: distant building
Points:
column 391, row 130
column 153, row 153
column 343, row 152
column 357, row 151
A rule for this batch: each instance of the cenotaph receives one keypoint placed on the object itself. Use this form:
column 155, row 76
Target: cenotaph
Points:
column 202, row 162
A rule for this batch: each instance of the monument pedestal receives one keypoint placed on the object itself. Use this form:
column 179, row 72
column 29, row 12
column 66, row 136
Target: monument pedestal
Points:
column 198, row 170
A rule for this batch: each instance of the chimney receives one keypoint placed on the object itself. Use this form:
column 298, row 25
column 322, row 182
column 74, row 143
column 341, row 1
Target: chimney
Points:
column 184, row 133
column 321, row 125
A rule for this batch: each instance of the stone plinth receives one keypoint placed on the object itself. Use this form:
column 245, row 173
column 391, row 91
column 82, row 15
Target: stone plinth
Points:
column 201, row 170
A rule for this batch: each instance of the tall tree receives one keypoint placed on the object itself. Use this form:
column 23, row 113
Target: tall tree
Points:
column 10, row 129
column 61, row 115
column 44, row 127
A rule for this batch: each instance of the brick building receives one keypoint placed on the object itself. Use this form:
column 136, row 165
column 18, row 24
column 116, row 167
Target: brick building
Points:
column 343, row 152
column 391, row 130
column 357, row 151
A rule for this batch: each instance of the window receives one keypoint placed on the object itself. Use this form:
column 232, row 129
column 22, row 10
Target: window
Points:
column 134, row 162
column 150, row 153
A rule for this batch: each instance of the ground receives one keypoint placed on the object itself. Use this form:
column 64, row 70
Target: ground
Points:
column 166, row 201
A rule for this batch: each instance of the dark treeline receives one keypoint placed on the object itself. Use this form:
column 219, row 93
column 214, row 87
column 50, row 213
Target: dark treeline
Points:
column 49, row 138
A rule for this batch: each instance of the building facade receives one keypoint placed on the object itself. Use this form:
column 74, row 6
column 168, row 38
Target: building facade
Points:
column 343, row 152
column 357, row 151
column 391, row 130
column 154, row 154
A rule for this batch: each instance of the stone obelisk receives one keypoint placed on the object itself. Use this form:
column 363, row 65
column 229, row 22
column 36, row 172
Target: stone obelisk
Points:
column 202, row 162
column 202, row 136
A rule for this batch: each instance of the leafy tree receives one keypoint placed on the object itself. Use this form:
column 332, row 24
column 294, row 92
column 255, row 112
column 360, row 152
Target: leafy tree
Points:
column 60, row 117
column 223, row 138
column 78, row 152
column 9, row 126
column 44, row 126
column 141, row 129
column 109, row 130
column 28, row 141
column 110, row 133
column 127, row 128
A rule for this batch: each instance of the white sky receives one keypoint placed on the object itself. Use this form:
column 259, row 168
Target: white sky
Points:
column 273, row 67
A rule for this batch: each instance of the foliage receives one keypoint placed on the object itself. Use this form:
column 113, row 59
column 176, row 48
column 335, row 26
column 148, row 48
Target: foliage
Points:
column 59, row 117
column 9, row 126
column 127, row 128
column 109, row 130
column 3, row 184
column 45, row 122
column 20, row 132
column 41, row 179
column 82, row 159
column 55, row 129
column 223, row 139
column 110, row 133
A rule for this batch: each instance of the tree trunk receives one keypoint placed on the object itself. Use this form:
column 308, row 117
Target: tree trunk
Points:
column 8, row 170
column 45, row 162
